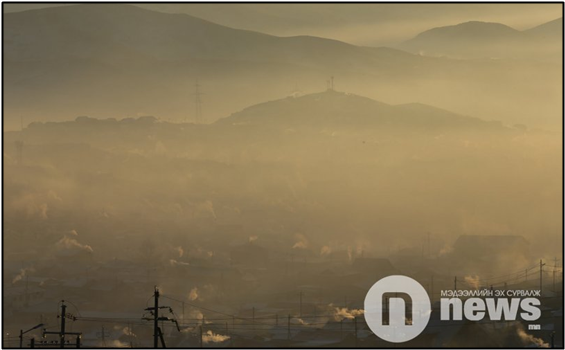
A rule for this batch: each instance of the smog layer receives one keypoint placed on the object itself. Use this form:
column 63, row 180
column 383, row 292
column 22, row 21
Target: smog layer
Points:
column 264, row 165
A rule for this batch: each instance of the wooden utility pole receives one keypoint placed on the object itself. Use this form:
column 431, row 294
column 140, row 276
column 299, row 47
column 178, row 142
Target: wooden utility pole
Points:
column 201, row 337
column 429, row 247
column 455, row 283
column 554, row 279
column 63, row 319
column 157, row 334
column 197, row 103
column 62, row 333
column 541, row 265
column 103, row 335
column 355, row 324
column 29, row 330
column 300, row 311
column 288, row 328
column 156, row 319
column 432, row 289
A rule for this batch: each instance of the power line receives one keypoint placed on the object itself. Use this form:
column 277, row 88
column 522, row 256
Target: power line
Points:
column 197, row 103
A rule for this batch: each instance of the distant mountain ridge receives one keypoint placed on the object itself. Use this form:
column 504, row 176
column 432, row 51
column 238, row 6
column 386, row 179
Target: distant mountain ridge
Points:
column 120, row 31
column 477, row 39
column 117, row 60
column 548, row 30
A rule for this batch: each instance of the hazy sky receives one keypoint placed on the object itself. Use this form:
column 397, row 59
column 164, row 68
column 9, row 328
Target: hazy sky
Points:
column 362, row 24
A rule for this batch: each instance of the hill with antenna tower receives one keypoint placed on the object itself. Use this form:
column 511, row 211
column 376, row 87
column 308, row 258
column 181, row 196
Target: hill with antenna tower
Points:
column 335, row 108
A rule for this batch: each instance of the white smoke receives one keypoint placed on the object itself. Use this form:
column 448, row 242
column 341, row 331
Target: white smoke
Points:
column 36, row 204
column 200, row 253
column 350, row 254
column 253, row 239
column 446, row 249
column 340, row 313
column 301, row 242
column 174, row 262
column 195, row 315
column 73, row 233
column 22, row 274
column 43, row 208
column 67, row 243
column 211, row 337
column 299, row 321
column 180, row 251
column 116, row 344
column 472, row 281
column 530, row 340
column 193, row 294
column 326, row 250
column 129, row 332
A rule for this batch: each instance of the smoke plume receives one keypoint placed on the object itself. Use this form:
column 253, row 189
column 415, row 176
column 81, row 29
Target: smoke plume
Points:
column 193, row 294
column 22, row 274
column 67, row 243
column 340, row 313
column 530, row 340
column 472, row 281
column 211, row 337
column 301, row 241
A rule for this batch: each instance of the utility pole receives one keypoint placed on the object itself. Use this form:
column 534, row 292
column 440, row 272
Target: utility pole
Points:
column 27, row 290
column 455, row 283
column 288, row 328
column 429, row 246
column 253, row 318
column 201, row 338
column 541, row 265
column 157, row 334
column 300, row 311
column 156, row 320
column 29, row 330
column 161, row 337
column 432, row 289
column 554, row 279
column 355, row 324
column 63, row 319
column 103, row 335
column 197, row 103
column 62, row 333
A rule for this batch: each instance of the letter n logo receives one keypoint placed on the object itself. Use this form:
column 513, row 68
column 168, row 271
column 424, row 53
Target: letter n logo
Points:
column 407, row 307
column 397, row 308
